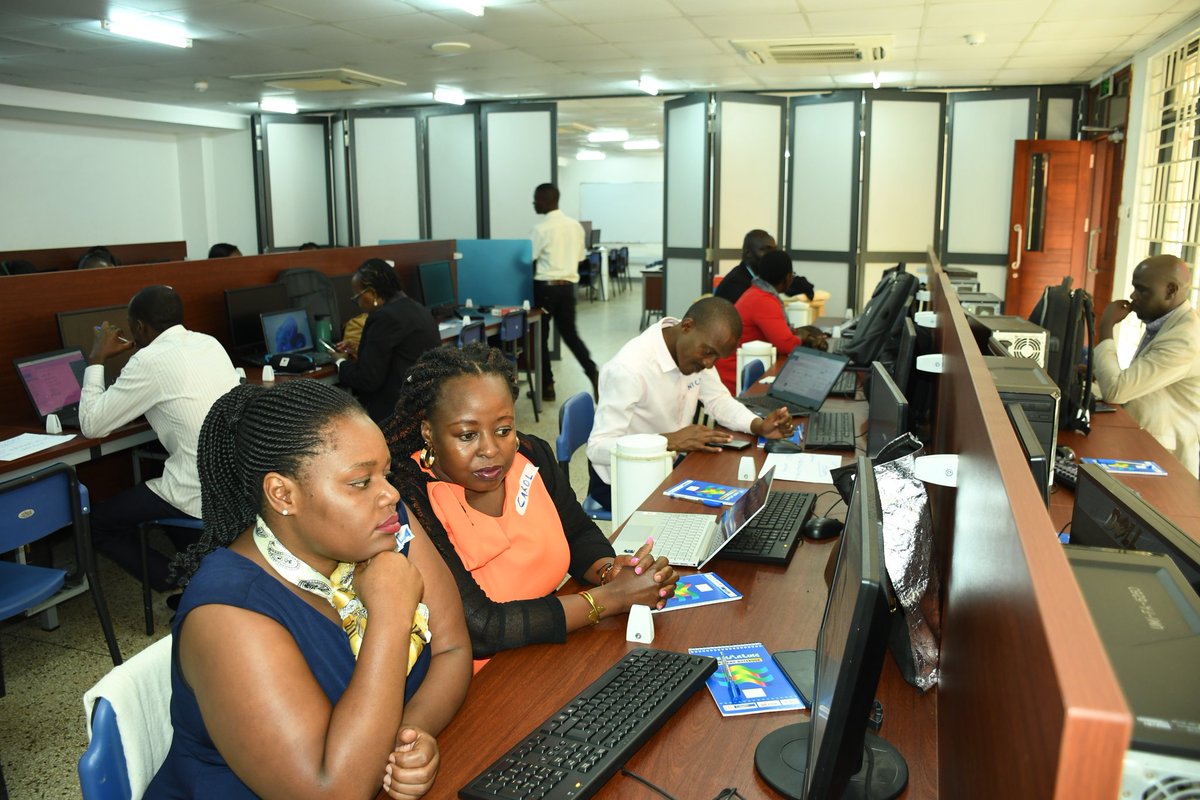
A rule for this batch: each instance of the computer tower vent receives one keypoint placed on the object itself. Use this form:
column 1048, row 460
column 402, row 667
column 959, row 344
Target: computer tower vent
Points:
column 1153, row 776
column 1172, row 786
column 1031, row 347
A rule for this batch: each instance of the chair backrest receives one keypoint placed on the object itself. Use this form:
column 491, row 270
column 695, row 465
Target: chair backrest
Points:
column 129, row 726
column 753, row 370
column 35, row 505
column 512, row 326
column 470, row 333
column 575, row 418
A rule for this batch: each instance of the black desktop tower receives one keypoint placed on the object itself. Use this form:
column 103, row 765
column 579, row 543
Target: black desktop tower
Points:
column 1021, row 381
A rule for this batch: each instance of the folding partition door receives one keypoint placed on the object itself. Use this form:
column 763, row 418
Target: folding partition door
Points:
column 293, row 166
column 451, row 170
column 687, row 271
column 385, row 175
column 519, row 152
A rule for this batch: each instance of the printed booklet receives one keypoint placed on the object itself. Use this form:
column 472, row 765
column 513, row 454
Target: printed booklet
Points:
column 748, row 681
column 700, row 589
column 1123, row 467
column 711, row 494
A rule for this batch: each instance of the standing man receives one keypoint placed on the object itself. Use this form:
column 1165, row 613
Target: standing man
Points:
column 173, row 379
column 557, row 250
column 1161, row 386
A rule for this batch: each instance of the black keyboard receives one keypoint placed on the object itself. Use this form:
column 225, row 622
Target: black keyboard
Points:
column 845, row 385
column 773, row 536
column 830, row 430
column 1066, row 473
column 574, row 752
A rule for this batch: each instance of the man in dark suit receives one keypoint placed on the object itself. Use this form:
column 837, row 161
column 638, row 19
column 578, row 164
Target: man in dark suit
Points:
column 754, row 245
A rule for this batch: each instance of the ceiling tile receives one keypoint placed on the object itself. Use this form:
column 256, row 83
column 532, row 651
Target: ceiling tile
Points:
column 994, row 34
column 1088, row 28
column 964, row 52
column 407, row 28
column 240, row 17
column 589, row 11
column 855, row 6
column 754, row 26
column 1164, row 23
column 651, row 30
column 325, row 11
column 977, row 16
column 704, row 8
column 59, row 11
column 594, row 52
column 1077, row 9
column 1052, row 62
column 874, row 21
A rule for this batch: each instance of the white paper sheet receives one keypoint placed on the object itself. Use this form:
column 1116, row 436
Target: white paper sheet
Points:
column 803, row 467
column 27, row 443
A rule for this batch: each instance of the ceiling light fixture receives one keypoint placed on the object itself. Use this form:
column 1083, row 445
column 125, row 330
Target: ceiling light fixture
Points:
column 589, row 155
column 454, row 97
column 449, row 48
column 648, row 86
column 475, row 9
column 278, row 105
column 642, row 144
column 136, row 28
column 608, row 135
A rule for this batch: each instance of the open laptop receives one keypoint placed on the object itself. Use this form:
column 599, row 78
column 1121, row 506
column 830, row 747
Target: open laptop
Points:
column 53, row 382
column 290, row 332
column 691, row 540
column 803, row 383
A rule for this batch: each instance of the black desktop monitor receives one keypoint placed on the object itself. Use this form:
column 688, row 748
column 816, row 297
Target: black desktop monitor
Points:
column 246, row 306
column 1031, row 446
column 1109, row 514
column 906, row 355
column 833, row 755
column 595, row 242
column 887, row 412
column 437, row 284
column 78, row 329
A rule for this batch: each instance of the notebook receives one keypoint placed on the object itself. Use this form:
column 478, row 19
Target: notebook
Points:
column 691, row 540
column 803, row 383
column 53, row 382
column 289, row 332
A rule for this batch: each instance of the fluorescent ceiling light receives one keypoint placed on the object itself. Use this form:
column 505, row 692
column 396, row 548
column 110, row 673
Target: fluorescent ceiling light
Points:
column 647, row 85
column 146, row 31
column 454, row 97
column 642, row 144
column 609, row 135
column 475, row 9
column 589, row 155
column 278, row 105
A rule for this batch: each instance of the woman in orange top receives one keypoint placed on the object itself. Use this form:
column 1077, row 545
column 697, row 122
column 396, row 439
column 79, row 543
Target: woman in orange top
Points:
column 499, row 510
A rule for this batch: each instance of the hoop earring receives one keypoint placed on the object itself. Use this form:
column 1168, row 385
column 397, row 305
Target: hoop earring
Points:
column 428, row 457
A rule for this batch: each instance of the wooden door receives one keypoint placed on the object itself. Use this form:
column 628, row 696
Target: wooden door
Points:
column 1051, row 197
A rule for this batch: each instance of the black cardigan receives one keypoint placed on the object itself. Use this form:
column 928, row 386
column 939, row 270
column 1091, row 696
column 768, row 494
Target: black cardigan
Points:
column 394, row 336
column 502, row 626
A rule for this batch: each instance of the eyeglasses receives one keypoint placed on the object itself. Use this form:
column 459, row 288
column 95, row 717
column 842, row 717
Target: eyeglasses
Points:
column 354, row 297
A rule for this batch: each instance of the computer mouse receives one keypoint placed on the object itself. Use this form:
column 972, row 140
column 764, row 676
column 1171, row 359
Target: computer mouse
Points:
column 1066, row 453
column 821, row 528
column 782, row 446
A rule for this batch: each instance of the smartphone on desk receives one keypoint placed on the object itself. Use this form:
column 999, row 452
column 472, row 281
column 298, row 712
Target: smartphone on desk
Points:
column 328, row 347
column 733, row 444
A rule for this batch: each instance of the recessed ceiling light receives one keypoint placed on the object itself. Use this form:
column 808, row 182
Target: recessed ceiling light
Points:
column 454, row 97
column 589, row 155
column 449, row 48
column 472, row 7
column 647, row 85
column 642, row 144
column 278, row 105
column 146, row 31
column 608, row 135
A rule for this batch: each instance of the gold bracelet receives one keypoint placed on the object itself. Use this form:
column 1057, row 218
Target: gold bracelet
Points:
column 597, row 609
column 605, row 572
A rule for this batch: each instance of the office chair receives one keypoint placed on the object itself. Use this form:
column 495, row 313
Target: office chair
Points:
column 134, row 698
column 589, row 275
column 33, row 507
column 575, row 418
column 753, row 370
column 513, row 326
column 183, row 523
column 471, row 333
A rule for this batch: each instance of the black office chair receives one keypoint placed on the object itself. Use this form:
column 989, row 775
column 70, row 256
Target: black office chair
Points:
column 513, row 326
column 471, row 333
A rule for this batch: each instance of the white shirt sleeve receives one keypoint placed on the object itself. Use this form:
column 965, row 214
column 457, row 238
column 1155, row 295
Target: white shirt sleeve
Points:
column 721, row 404
column 620, row 390
column 102, row 411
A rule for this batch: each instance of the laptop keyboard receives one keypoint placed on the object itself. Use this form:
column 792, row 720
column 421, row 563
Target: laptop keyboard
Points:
column 771, row 537
column 846, row 384
column 680, row 537
column 830, row 430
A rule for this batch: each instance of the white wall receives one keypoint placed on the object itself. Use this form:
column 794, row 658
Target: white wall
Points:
column 614, row 169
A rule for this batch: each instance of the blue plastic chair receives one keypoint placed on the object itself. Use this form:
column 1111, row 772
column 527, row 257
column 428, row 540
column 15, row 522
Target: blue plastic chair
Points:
column 512, row 332
column 185, row 523
column 471, row 333
column 102, row 771
column 32, row 507
column 751, row 372
column 575, row 418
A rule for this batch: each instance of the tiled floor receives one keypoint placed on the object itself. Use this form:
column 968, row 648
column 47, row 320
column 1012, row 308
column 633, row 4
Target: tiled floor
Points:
column 42, row 731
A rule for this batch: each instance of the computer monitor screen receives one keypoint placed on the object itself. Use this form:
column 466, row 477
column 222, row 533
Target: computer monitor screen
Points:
column 53, row 380
column 78, row 329
column 287, row 331
column 887, row 412
column 906, row 355
column 246, row 306
column 437, row 284
column 595, row 242
column 850, row 651
column 1109, row 514
column 1031, row 446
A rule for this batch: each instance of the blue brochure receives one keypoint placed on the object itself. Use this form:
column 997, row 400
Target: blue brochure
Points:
column 748, row 681
column 700, row 589
column 711, row 494
column 1120, row 466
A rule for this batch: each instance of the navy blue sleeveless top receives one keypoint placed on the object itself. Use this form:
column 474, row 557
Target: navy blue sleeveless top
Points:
column 193, row 767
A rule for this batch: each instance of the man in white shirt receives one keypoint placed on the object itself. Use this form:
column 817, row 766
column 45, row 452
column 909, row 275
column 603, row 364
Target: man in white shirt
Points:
column 654, row 383
column 557, row 250
column 173, row 379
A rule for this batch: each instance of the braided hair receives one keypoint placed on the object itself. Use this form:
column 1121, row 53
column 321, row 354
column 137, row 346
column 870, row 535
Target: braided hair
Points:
column 250, row 431
column 378, row 276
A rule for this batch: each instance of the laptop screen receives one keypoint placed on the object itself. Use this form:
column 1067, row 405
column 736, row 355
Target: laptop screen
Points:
column 53, row 380
column 741, row 512
column 807, row 377
column 287, row 331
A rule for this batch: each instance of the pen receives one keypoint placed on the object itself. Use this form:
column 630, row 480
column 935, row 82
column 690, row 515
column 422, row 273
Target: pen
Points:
column 735, row 694
column 121, row 339
column 701, row 500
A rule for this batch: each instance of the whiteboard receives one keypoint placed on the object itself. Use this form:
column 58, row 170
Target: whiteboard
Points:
column 628, row 213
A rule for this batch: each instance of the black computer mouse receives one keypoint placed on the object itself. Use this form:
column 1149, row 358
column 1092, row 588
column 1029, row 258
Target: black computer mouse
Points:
column 821, row 528
column 782, row 446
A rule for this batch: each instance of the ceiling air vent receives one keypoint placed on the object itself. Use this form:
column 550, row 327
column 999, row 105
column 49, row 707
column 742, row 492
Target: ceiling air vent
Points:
column 839, row 50
column 322, row 80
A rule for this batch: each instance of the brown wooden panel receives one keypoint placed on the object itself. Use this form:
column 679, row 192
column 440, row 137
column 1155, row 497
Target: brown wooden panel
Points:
column 29, row 302
column 60, row 258
column 1028, row 705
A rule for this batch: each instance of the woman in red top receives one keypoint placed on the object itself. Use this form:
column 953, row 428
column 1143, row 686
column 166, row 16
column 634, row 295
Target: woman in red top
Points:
column 763, row 317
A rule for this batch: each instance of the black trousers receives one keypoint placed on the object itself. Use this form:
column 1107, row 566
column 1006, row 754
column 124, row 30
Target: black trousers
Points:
column 115, row 532
column 598, row 490
column 558, row 301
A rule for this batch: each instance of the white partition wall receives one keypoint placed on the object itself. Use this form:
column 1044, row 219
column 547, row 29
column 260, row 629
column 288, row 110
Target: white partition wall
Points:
column 984, row 126
column 293, row 172
column 822, row 234
column 452, row 173
column 519, row 152
column 385, row 176
column 686, row 194
column 748, row 147
column 340, row 157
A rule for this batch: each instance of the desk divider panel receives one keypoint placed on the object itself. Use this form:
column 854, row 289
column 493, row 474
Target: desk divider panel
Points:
column 28, row 302
column 1028, row 704
column 65, row 258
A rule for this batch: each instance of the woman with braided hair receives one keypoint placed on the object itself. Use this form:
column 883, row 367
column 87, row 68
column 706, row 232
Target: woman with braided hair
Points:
column 499, row 510
column 280, row 687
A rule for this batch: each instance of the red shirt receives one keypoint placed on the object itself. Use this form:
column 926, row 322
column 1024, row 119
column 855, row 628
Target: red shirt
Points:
column 763, row 320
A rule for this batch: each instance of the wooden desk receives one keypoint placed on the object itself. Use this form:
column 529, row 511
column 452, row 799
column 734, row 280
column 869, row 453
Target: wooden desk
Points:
column 533, row 343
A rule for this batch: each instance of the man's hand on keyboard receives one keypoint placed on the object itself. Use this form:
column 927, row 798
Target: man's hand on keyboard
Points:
column 696, row 437
column 776, row 425
column 413, row 764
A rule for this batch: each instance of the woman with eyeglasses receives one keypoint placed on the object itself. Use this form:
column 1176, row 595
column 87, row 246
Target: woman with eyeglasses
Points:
column 397, row 331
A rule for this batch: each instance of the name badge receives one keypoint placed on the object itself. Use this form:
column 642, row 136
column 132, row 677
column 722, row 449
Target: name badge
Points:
column 527, row 475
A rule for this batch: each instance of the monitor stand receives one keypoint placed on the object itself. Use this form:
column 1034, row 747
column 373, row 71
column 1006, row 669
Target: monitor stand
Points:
column 782, row 759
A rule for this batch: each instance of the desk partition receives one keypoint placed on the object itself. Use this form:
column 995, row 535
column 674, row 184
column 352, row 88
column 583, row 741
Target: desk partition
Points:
column 65, row 258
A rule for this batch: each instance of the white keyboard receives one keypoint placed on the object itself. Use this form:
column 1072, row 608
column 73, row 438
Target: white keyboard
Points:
column 680, row 537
